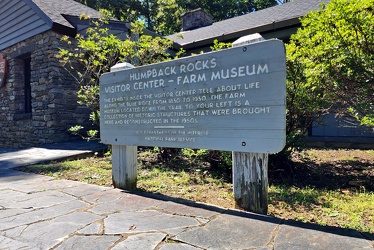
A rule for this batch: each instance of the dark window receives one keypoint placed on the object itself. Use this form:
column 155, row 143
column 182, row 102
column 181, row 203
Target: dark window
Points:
column 27, row 78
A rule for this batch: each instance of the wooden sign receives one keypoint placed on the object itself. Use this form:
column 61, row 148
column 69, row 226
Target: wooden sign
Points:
column 232, row 99
column 3, row 71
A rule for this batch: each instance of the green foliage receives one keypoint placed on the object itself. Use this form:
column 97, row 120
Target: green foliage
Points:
column 334, row 53
column 152, row 50
column 92, row 54
column 89, row 56
column 92, row 134
column 194, row 153
column 76, row 130
column 330, row 61
column 306, row 102
column 164, row 16
column 126, row 10
column 227, row 157
column 323, row 206
column 167, row 19
column 263, row 4
column 220, row 45
column 224, row 9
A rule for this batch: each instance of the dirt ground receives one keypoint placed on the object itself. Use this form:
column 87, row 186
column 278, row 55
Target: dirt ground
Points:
column 327, row 169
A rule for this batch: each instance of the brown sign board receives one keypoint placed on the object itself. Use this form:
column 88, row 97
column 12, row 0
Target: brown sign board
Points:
column 3, row 70
column 233, row 99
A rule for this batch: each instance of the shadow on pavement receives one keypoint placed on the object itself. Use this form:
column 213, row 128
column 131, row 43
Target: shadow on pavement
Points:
column 9, row 175
column 264, row 218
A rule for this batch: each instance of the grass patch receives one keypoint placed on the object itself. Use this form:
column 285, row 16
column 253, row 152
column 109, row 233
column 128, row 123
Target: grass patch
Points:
column 323, row 207
column 319, row 187
column 93, row 170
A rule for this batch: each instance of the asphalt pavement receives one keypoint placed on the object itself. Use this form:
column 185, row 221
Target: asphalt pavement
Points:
column 40, row 212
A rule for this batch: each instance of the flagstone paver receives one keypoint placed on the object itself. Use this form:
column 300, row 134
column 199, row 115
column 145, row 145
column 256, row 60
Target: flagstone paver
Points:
column 146, row 241
column 89, row 242
column 146, row 221
column 231, row 232
column 304, row 236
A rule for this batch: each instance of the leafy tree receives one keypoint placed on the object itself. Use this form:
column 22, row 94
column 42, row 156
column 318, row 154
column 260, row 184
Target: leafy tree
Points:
column 306, row 102
column 163, row 16
column 167, row 20
column 126, row 10
column 263, row 4
column 220, row 45
column 94, row 53
column 334, row 55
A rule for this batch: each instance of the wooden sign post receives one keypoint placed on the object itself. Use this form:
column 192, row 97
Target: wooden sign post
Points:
column 124, row 157
column 250, row 170
column 232, row 99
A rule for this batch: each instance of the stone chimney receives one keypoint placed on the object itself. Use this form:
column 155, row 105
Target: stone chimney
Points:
column 195, row 19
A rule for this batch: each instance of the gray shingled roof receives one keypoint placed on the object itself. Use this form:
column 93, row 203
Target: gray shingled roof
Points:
column 259, row 21
column 55, row 9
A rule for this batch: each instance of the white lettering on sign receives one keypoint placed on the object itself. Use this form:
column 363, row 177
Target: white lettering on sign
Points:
column 118, row 88
column 241, row 71
column 198, row 66
column 153, row 73
column 192, row 78
column 222, row 100
column 158, row 83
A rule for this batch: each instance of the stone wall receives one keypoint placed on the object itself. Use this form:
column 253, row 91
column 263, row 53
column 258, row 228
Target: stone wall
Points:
column 53, row 95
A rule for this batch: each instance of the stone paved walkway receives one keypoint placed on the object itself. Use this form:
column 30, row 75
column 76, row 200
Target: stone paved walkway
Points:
column 39, row 212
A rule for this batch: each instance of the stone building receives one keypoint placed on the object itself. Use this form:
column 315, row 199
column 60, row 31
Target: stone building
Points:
column 38, row 101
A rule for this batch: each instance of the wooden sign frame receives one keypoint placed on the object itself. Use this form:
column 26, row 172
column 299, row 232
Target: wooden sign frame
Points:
column 233, row 99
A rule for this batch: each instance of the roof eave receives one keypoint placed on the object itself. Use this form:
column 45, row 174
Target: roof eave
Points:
column 64, row 30
column 234, row 35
